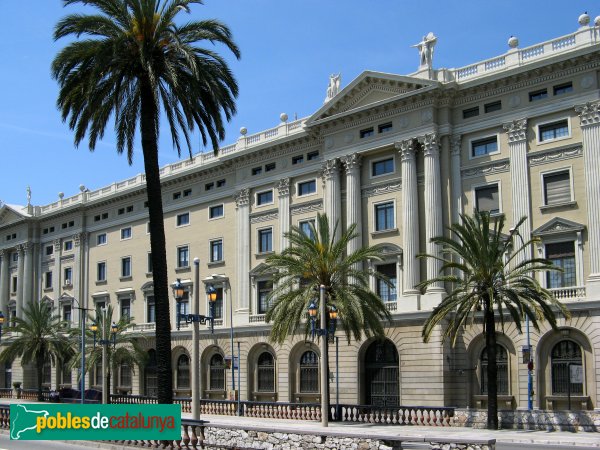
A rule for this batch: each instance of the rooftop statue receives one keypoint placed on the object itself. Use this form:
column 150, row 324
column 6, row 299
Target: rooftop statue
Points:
column 334, row 86
column 425, row 48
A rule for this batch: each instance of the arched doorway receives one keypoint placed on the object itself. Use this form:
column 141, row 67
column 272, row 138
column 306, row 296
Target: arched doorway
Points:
column 382, row 374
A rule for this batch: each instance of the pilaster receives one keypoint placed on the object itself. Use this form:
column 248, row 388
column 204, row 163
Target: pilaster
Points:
column 242, row 203
column 283, row 190
column 56, row 272
column 456, row 186
column 20, row 275
column 4, row 281
column 332, row 195
column 353, row 201
column 28, row 283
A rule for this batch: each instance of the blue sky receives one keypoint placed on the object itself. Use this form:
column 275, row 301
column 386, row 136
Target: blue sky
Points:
column 289, row 48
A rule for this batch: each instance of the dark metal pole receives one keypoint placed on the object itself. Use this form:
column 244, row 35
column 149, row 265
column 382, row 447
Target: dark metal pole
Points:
column 239, row 406
column 337, row 379
column 324, row 360
column 569, row 385
column 196, row 344
column 82, row 372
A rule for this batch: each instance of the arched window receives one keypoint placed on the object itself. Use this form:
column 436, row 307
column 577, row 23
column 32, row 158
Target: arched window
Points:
column 183, row 372
column 217, row 373
column 266, row 372
column 150, row 380
column 125, row 375
column 501, row 370
column 564, row 355
column 382, row 374
column 309, row 372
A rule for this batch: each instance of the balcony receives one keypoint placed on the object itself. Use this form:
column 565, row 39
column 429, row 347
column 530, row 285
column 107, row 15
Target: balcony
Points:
column 569, row 294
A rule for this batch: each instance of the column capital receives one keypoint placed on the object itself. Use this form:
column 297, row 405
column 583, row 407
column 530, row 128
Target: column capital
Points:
column 351, row 162
column 80, row 238
column 329, row 169
column 20, row 248
column 28, row 247
column 242, row 197
column 516, row 130
column 56, row 245
column 589, row 113
column 406, row 149
column 429, row 142
column 455, row 144
column 283, row 187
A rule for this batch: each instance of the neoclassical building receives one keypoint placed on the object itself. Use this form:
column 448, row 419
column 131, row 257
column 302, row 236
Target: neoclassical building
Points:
column 401, row 156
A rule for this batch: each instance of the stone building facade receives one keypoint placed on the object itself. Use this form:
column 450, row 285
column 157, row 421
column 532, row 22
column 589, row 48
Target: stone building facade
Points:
column 399, row 155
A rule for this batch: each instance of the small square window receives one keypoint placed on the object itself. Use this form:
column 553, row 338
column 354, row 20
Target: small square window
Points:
column 183, row 219
column 557, row 188
column 187, row 192
column 71, row 223
column 64, row 225
column 487, row 199
column 129, row 208
column 125, row 233
column 382, row 167
column 104, row 215
column 384, row 216
column 49, row 250
column 209, row 186
column 298, row 159
column 269, row 167
column 265, row 240
column 563, row 88
column 470, row 112
column 538, row 95
column 97, row 218
column 126, row 266
column 366, row 133
column 68, row 246
column 312, row 155
column 121, row 211
column 45, row 231
column 491, row 107
column 220, row 183
column 101, row 239
column 183, row 256
column 307, row 188
column 257, row 170
column 484, row 147
column 176, row 195
column 216, row 250
column 264, row 198
column 554, row 130
column 215, row 212
column 384, row 128
column 101, row 271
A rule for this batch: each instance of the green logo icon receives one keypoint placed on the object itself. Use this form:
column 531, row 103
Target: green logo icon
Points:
column 94, row 422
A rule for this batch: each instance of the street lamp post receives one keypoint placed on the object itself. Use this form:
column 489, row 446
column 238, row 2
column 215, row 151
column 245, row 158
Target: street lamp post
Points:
column 1, row 323
column 104, row 342
column 82, row 312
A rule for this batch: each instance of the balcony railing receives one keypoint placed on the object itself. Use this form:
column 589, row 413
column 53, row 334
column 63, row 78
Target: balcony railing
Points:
column 572, row 293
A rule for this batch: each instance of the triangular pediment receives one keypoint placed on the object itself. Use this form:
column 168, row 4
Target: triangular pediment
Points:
column 369, row 89
column 558, row 225
column 10, row 214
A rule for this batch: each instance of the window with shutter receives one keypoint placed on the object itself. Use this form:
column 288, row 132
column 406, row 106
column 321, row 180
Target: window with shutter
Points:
column 557, row 188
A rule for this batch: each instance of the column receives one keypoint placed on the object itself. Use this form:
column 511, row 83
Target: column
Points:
column 20, row 270
column 332, row 195
column 589, row 116
column 519, row 175
column 353, row 204
column 456, row 183
column 56, row 273
column 433, row 209
column 27, row 273
column 242, row 203
column 283, row 190
column 410, row 216
column 4, row 281
column 79, row 272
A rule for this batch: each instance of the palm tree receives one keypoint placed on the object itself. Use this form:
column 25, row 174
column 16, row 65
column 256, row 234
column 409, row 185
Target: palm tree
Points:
column 38, row 336
column 127, row 348
column 482, row 280
column 134, row 63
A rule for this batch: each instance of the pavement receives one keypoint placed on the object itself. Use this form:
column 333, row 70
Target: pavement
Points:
column 515, row 437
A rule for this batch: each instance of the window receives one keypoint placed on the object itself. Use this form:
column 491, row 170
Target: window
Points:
column 125, row 233
column 298, row 159
column 307, row 187
column 100, row 305
column 538, row 95
column 45, row 230
column 129, row 208
column 216, row 373
column 309, row 372
column 68, row 275
column 187, row 192
column 150, row 309
column 564, row 355
column 384, row 128
column 491, row 107
column 214, row 212
column 220, row 183
column 264, row 198
column 218, row 306
column 216, row 250
column 368, row 132
column 67, row 313
column 470, row 112
column 126, row 266
column 125, row 309
column 554, row 130
column 101, row 239
column 68, row 246
column 307, row 227
column 125, row 375
column 49, row 250
column 11, row 236
column 487, row 199
column 557, row 188
column 562, row 254
column 146, row 204
column 382, row 167
column 386, row 292
column 482, row 147
column 14, row 285
column 48, row 280
column 265, row 240
column 101, row 271
column 184, row 303
column 501, row 370
column 183, row 372
column 563, row 88
column 209, row 186
column 266, row 373
column 264, row 289
column 384, row 216
column 312, row 155
column 183, row 256
column 176, row 195
column 121, row 211
column 15, row 256
column 257, row 170
column 150, row 375
column 149, row 265
column 270, row 167
column 183, row 219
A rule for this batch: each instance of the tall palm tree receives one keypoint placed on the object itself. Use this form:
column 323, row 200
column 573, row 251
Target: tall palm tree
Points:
column 134, row 63
column 37, row 337
column 483, row 281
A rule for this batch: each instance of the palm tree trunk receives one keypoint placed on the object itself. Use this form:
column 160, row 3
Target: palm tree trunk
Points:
column 149, row 132
column 492, row 375
column 39, row 361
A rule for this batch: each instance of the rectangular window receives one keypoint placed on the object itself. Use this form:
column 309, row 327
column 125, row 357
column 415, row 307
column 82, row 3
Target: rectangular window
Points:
column 264, row 290
column 307, row 187
column 187, row 192
column 149, row 266
column 312, row 155
column 121, row 211
column 67, row 313
column 125, row 309
column 386, row 292
column 130, row 208
column 470, row 112
column 68, row 275
column 557, row 188
column 48, row 281
column 269, row 167
column 298, row 159
column 183, row 219
column 562, row 254
column 487, row 199
column 218, row 306
column 126, row 266
column 209, row 186
column 368, row 132
column 220, row 183
column 563, row 88
column 482, row 147
column 14, row 285
column 264, row 198
column 384, row 216
column 104, row 215
column 150, row 309
column 491, row 107
column 184, row 303
column 146, row 204
column 306, row 227
column 49, row 250
column 101, row 271
column 382, row 167
column 96, row 219
column 68, row 246
column 265, row 240
column 215, row 212
column 183, row 256
column 45, row 231
column 216, row 250
column 384, row 128
column 101, row 239
column 176, row 195
column 538, row 95
column 554, row 130
column 257, row 170
column 125, row 233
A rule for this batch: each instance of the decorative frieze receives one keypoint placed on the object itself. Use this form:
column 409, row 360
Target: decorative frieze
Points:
column 553, row 155
column 316, row 205
column 516, row 130
column 263, row 217
column 486, row 169
column 384, row 188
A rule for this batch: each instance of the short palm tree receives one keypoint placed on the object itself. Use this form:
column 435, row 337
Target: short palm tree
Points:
column 134, row 63
column 482, row 280
column 37, row 337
